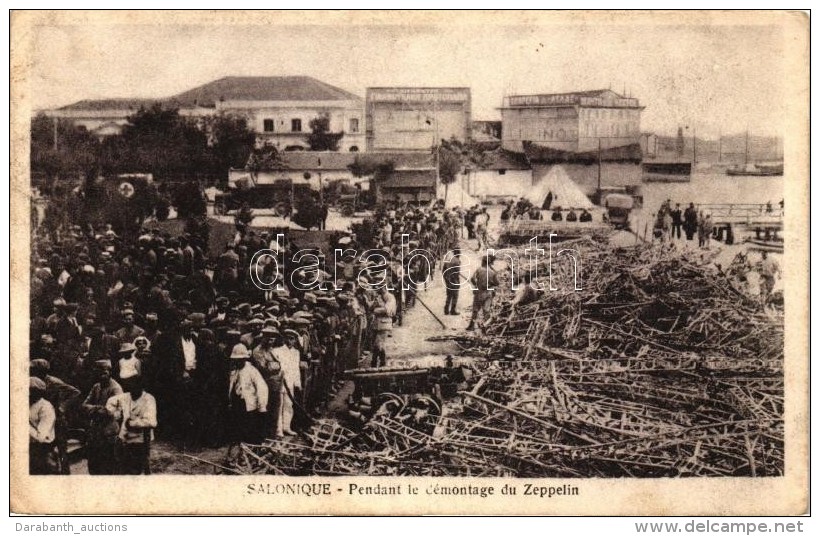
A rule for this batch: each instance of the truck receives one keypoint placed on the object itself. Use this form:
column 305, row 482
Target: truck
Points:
column 349, row 198
column 260, row 190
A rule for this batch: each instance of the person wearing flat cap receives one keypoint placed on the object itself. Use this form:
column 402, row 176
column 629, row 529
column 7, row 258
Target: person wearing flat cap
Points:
column 253, row 329
column 129, row 331
column 64, row 398
column 227, row 272
column 265, row 360
column 288, row 357
column 136, row 414
column 67, row 330
column 247, row 399
column 220, row 312
column 101, row 438
column 42, row 419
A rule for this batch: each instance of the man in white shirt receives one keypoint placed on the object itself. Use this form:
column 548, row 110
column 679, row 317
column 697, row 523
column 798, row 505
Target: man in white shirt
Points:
column 128, row 365
column 288, row 357
column 247, row 398
column 188, row 352
column 41, row 421
column 136, row 413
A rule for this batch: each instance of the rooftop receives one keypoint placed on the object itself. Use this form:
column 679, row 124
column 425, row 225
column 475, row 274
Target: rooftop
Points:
column 263, row 88
column 247, row 88
column 109, row 104
column 596, row 97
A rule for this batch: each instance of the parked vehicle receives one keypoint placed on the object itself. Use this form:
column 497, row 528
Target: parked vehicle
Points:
column 349, row 198
column 243, row 188
column 618, row 208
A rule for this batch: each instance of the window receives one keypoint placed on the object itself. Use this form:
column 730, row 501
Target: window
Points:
column 267, row 125
column 354, row 124
column 296, row 125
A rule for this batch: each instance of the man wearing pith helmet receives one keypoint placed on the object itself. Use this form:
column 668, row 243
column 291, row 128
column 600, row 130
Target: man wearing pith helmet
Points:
column 248, row 398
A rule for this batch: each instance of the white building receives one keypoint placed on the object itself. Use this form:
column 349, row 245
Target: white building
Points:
column 578, row 122
column 416, row 118
column 278, row 108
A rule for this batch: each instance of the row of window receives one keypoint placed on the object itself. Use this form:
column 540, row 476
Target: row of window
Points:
column 616, row 129
column 593, row 130
column 268, row 125
column 604, row 113
column 557, row 134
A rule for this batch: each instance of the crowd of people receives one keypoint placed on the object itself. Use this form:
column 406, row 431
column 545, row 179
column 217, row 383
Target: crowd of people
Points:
column 525, row 210
column 149, row 333
column 671, row 221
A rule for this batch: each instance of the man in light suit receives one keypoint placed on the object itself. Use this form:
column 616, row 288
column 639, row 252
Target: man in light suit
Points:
column 289, row 358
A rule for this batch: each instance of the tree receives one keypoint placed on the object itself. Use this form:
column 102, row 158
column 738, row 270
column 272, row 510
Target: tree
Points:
column 320, row 137
column 307, row 212
column 157, row 140
column 372, row 166
column 231, row 143
column 74, row 154
column 189, row 200
column 449, row 166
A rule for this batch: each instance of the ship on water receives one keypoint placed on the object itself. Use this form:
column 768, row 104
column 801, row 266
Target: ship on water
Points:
column 755, row 170
column 666, row 171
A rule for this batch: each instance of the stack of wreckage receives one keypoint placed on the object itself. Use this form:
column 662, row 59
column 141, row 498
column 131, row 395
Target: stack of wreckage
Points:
column 660, row 366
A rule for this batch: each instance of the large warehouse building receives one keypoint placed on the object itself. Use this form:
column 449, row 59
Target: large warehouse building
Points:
column 416, row 118
column 575, row 122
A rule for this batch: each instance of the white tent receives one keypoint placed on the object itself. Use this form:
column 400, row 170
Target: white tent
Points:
column 458, row 197
column 565, row 193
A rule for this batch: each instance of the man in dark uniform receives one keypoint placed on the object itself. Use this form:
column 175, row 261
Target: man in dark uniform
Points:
column 677, row 221
column 101, row 441
column 451, row 273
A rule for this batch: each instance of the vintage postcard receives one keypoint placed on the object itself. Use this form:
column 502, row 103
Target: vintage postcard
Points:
column 409, row 262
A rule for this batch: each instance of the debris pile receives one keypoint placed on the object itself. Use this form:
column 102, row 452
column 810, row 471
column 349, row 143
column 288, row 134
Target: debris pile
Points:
column 659, row 367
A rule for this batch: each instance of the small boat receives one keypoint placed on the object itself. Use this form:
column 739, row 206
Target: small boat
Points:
column 757, row 170
column 666, row 171
column 773, row 246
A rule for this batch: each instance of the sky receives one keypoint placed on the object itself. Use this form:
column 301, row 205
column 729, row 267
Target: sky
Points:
column 713, row 78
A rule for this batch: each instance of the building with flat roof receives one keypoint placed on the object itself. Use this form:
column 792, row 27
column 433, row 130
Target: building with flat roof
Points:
column 278, row 109
column 577, row 122
column 416, row 118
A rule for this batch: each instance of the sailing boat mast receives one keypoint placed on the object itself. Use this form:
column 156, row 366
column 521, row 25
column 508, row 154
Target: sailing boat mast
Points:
column 720, row 146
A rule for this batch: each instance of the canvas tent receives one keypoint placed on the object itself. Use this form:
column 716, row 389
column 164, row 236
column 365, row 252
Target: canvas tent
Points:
column 565, row 192
column 458, row 197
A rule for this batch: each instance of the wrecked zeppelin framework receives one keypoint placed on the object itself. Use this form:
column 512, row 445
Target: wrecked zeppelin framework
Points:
column 661, row 367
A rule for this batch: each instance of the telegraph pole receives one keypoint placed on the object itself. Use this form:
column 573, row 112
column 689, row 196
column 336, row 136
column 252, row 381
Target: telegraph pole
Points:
column 720, row 146
column 321, row 192
column 599, row 170
column 694, row 145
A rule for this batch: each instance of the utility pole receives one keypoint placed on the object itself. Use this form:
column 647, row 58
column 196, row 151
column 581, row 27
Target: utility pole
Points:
column 599, row 171
column 694, row 145
column 55, row 132
column 720, row 146
column 321, row 190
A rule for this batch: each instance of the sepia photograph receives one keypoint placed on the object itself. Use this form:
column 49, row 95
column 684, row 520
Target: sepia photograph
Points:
column 418, row 262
